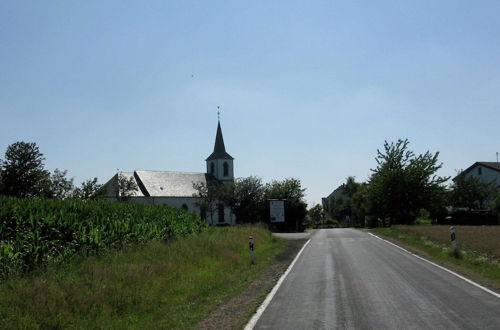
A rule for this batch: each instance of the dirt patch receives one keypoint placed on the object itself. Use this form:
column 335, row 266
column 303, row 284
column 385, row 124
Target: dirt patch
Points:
column 478, row 238
column 237, row 311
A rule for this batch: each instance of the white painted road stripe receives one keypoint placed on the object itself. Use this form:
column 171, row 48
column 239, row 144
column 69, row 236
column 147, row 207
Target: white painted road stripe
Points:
column 255, row 318
column 441, row 267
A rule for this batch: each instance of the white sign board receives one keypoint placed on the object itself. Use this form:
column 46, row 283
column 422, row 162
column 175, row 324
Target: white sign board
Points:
column 277, row 211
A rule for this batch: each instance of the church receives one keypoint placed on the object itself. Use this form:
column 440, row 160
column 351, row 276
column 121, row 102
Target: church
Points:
column 177, row 188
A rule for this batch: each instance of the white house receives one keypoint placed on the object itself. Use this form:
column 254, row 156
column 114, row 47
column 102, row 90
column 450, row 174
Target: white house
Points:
column 176, row 188
column 488, row 172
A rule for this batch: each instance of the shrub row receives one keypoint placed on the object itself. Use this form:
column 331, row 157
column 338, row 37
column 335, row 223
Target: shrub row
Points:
column 36, row 232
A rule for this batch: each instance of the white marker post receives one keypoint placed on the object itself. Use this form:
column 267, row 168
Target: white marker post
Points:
column 453, row 238
column 250, row 246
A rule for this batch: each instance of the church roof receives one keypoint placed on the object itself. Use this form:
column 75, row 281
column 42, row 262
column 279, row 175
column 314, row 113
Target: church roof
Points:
column 169, row 184
column 219, row 148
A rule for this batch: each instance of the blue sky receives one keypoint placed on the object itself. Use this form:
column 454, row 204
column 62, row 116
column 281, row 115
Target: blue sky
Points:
column 307, row 89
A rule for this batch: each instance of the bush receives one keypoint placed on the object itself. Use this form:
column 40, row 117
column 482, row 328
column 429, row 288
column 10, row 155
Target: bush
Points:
column 423, row 218
column 36, row 232
column 331, row 223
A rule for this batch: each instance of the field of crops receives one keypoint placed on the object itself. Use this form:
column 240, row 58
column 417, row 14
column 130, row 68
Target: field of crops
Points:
column 484, row 239
column 36, row 232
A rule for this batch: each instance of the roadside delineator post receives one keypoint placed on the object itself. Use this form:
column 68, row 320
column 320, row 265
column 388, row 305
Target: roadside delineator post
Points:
column 250, row 247
column 453, row 238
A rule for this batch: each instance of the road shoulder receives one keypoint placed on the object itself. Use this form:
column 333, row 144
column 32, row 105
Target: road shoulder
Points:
column 239, row 309
column 473, row 276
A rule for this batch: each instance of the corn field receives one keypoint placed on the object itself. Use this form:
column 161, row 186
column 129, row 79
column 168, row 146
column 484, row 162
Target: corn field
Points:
column 36, row 232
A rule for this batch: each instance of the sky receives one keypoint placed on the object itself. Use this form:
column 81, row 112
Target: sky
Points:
column 306, row 89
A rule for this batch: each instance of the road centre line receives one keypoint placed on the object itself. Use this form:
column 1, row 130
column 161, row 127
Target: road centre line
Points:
column 440, row 267
column 255, row 318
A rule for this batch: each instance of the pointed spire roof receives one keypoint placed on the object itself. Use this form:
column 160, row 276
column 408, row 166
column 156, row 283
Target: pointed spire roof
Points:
column 219, row 148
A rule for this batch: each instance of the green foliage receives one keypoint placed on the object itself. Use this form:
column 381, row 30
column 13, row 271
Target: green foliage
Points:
column 60, row 186
column 153, row 286
column 292, row 192
column 316, row 215
column 471, row 192
column 248, row 198
column 289, row 189
column 126, row 187
column 35, row 232
column 211, row 194
column 351, row 205
column 22, row 171
column 423, row 218
column 89, row 190
column 403, row 183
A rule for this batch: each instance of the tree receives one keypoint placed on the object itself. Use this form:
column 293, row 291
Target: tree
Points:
column 292, row 192
column 317, row 215
column 60, row 186
column 247, row 199
column 471, row 192
column 22, row 171
column 89, row 189
column 211, row 194
column 126, row 187
column 403, row 183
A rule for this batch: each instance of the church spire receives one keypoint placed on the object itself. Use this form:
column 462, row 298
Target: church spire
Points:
column 219, row 148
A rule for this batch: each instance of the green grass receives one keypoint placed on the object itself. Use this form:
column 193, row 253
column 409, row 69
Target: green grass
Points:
column 156, row 285
column 477, row 262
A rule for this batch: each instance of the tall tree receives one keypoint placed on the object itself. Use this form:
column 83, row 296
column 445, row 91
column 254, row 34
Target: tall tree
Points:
column 403, row 183
column 248, row 199
column 60, row 186
column 211, row 194
column 89, row 189
column 126, row 187
column 292, row 192
column 316, row 215
column 22, row 171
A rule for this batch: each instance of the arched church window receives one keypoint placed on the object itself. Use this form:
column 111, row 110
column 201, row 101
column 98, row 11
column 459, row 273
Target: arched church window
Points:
column 212, row 168
column 226, row 168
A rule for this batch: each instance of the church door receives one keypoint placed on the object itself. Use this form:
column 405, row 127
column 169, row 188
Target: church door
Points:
column 221, row 213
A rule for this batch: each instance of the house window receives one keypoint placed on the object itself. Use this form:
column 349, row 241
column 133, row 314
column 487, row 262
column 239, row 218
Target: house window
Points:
column 226, row 168
column 185, row 207
column 212, row 168
column 479, row 171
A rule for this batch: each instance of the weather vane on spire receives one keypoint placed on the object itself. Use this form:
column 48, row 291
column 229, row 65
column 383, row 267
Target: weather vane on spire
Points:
column 218, row 112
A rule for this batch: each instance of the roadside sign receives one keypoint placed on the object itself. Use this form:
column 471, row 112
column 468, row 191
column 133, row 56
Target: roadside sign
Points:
column 453, row 237
column 250, row 247
column 277, row 210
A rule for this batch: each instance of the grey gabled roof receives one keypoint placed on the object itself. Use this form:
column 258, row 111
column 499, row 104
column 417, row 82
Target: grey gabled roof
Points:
column 219, row 148
column 170, row 184
column 112, row 185
column 493, row 165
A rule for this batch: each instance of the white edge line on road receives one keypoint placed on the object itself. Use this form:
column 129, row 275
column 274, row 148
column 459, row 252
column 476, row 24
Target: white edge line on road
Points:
column 255, row 318
column 440, row 267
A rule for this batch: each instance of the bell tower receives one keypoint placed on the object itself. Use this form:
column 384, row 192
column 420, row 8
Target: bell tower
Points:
column 220, row 163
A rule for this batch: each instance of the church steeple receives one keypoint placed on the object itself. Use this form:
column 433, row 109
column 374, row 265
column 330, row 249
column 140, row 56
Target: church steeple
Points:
column 219, row 148
column 220, row 163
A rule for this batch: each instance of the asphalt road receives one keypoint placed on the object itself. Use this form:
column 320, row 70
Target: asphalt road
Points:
column 347, row 279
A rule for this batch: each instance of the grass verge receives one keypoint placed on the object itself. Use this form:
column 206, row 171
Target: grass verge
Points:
column 155, row 285
column 469, row 262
